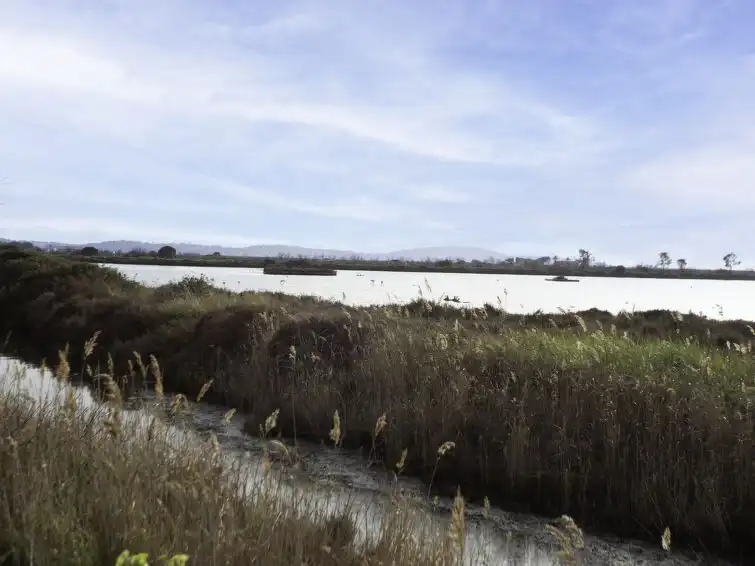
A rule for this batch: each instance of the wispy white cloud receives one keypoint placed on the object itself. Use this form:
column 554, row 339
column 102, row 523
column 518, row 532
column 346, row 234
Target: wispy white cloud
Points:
column 439, row 226
column 401, row 115
column 706, row 164
column 716, row 177
column 356, row 208
column 439, row 194
column 86, row 229
column 477, row 122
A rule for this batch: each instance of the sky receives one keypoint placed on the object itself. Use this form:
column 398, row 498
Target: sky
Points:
column 531, row 127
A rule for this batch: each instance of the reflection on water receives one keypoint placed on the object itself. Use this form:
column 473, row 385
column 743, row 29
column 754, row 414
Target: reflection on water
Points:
column 331, row 482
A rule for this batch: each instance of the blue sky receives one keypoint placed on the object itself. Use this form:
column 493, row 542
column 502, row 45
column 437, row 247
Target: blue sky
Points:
column 526, row 126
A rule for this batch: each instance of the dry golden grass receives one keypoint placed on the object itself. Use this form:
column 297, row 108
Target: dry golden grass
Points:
column 87, row 483
column 81, row 485
column 615, row 431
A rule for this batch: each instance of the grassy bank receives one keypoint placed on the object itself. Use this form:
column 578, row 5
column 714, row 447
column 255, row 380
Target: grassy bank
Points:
column 441, row 266
column 78, row 487
column 630, row 423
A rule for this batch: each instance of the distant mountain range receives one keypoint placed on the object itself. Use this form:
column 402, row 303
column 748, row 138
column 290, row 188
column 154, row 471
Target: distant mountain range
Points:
column 417, row 254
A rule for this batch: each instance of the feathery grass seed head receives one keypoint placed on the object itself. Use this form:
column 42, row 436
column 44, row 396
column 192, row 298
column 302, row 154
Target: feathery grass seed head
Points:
column 335, row 432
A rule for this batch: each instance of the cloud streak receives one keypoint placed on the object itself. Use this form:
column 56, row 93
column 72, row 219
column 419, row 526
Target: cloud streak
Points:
column 355, row 125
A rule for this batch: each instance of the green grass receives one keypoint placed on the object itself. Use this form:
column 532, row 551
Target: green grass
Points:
column 630, row 423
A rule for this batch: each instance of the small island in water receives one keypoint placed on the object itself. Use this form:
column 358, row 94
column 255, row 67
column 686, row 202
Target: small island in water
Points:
column 297, row 270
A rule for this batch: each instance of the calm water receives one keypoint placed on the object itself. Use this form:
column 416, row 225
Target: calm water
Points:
column 516, row 293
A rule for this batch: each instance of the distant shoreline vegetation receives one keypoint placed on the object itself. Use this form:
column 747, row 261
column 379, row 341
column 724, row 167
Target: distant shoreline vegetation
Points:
column 273, row 269
column 584, row 265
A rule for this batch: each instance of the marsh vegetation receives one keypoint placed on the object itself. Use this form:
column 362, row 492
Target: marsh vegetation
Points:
column 583, row 264
column 90, row 484
column 632, row 423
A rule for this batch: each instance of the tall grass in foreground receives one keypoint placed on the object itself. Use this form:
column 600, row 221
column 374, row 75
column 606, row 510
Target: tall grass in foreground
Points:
column 86, row 485
column 626, row 433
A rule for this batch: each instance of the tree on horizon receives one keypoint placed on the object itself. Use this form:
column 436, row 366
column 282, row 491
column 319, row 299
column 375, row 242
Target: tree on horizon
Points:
column 585, row 258
column 167, row 252
column 731, row 261
column 664, row 260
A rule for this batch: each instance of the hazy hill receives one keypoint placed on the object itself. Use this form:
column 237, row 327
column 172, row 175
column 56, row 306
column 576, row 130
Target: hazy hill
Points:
column 434, row 252
column 444, row 252
column 254, row 251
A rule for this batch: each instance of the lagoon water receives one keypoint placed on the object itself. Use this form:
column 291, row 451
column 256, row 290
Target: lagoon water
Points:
column 515, row 293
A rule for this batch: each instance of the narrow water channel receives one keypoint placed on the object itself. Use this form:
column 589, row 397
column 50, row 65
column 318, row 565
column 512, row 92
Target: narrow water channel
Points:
column 336, row 481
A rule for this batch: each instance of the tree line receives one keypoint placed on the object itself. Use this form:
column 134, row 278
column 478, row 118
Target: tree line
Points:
column 165, row 252
column 731, row 260
column 584, row 262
